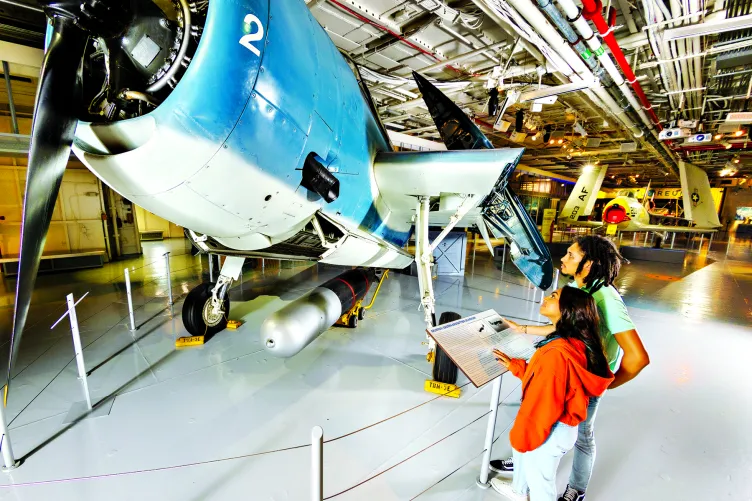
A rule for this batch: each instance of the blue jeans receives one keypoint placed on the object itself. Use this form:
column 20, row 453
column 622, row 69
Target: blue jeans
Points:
column 535, row 471
column 584, row 452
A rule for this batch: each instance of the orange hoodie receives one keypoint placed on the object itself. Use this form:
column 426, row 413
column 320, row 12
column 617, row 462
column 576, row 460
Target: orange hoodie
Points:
column 556, row 386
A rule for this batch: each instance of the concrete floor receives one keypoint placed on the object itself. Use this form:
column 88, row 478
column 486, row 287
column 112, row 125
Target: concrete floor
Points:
column 228, row 422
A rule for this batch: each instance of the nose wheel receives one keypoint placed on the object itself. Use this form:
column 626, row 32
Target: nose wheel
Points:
column 199, row 315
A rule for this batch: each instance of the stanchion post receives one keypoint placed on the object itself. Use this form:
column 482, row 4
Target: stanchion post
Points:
column 503, row 257
column 634, row 238
column 211, row 267
column 317, row 464
column 490, row 430
column 646, row 238
column 169, row 280
column 9, row 460
column 702, row 237
column 130, row 299
column 77, row 348
column 673, row 237
column 710, row 242
column 556, row 279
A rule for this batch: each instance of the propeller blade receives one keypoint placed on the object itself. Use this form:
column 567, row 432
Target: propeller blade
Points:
column 52, row 135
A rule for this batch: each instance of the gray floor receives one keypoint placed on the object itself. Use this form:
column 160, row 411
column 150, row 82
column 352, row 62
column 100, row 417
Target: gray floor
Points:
column 227, row 422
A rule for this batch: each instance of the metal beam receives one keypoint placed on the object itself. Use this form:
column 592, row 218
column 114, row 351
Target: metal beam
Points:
column 11, row 105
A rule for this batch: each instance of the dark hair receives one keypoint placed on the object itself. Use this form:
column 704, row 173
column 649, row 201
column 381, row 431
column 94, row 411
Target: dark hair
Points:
column 605, row 258
column 580, row 320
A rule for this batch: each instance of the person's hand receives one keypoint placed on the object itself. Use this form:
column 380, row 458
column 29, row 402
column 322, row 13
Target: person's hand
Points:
column 514, row 325
column 502, row 358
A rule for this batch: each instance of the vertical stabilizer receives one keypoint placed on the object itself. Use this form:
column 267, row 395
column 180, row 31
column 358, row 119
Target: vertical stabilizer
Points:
column 584, row 194
column 698, row 199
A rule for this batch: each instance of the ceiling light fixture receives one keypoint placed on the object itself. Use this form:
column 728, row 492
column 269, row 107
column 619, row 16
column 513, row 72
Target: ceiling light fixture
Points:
column 708, row 28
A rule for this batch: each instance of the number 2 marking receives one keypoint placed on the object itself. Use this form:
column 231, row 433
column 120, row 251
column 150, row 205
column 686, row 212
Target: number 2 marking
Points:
column 247, row 40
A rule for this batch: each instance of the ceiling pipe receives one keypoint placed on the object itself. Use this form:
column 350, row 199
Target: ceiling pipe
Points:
column 574, row 14
column 599, row 95
column 592, row 12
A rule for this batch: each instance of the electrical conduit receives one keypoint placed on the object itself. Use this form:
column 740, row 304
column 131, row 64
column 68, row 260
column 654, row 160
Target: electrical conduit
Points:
column 592, row 12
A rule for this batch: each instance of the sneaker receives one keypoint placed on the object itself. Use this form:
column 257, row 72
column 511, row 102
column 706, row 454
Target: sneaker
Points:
column 504, row 488
column 502, row 465
column 571, row 494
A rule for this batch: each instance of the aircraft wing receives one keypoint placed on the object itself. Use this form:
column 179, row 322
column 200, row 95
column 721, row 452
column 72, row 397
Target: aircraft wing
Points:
column 452, row 178
column 501, row 212
column 582, row 224
column 676, row 229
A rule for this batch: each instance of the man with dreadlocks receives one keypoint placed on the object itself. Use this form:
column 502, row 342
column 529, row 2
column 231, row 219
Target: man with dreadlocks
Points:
column 594, row 262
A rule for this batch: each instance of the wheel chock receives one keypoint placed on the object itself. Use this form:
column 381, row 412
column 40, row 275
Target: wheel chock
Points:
column 183, row 342
column 234, row 324
column 445, row 389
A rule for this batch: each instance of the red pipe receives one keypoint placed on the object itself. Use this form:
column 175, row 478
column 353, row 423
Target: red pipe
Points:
column 591, row 10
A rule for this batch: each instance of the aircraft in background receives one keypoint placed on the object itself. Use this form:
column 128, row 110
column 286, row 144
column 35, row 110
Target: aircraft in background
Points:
column 627, row 213
column 242, row 122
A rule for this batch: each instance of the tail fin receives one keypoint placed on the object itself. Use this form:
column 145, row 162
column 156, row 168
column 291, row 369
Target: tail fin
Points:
column 584, row 194
column 698, row 199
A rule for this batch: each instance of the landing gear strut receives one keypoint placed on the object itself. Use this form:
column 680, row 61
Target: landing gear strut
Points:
column 207, row 306
column 444, row 369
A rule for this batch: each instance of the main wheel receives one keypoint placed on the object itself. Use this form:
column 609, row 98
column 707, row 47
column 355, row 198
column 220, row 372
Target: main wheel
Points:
column 198, row 318
column 361, row 313
column 444, row 370
column 352, row 322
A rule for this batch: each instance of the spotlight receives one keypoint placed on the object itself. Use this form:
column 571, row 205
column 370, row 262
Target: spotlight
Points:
column 587, row 168
column 718, row 137
column 535, row 137
column 551, row 142
column 739, row 133
column 560, row 141
column 728, row 146
column 736, row 160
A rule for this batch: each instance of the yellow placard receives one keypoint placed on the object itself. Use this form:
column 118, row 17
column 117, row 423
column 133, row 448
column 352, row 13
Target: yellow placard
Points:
column 182, row 342
column 611, row 229
column 445, row 389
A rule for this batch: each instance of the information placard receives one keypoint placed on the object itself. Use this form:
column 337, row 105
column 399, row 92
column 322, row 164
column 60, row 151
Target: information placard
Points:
column 470, row 342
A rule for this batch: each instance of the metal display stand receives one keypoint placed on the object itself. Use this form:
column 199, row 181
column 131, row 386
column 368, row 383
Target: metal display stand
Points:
column 490, row 430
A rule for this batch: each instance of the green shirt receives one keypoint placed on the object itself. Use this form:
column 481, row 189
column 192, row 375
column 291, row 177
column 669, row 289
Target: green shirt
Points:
column 614, row 319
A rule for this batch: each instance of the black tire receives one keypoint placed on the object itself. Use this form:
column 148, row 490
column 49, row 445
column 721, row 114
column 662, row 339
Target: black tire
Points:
column 193, row 312
column 353, row 321
column 361, row 314
column 444, row 370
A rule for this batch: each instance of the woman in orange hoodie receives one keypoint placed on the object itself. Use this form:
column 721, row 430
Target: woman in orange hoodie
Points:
column 567, row 369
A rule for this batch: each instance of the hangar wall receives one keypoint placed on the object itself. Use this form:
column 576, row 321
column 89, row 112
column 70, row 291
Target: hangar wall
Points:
column 76, row 222
column 151, row 222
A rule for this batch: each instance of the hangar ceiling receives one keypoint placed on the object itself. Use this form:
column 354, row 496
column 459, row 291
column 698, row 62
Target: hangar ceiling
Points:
column 683, row 60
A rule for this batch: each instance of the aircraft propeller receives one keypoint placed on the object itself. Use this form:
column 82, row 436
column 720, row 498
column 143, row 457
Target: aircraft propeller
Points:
column 53, row 131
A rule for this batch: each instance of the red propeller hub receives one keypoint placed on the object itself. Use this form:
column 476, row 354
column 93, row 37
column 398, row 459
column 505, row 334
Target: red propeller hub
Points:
column 615, row 214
